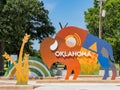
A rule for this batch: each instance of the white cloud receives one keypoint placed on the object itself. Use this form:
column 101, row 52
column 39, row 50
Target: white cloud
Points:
column 50, row 5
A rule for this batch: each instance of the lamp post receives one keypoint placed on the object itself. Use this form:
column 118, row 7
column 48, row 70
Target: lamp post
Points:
column 102, row 13
column 100, row 21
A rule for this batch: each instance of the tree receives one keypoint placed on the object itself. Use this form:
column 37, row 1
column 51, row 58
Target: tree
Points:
column 2, row 2
column 23, row 16
column 1, row 58
column 110, row 23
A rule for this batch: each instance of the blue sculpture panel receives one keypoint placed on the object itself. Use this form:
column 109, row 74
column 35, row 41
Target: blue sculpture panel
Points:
column 104, row 51
column 90, row 39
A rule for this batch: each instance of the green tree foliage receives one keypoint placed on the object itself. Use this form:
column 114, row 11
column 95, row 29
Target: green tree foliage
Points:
column 18, row 17
column 110, row 23
column 1, row 58
column 92, row 18
column 2, row 2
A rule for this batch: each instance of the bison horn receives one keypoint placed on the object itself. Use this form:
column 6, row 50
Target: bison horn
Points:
column 54, row 46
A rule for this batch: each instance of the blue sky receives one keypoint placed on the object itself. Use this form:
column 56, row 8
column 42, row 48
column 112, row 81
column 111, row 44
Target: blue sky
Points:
column 66, row 11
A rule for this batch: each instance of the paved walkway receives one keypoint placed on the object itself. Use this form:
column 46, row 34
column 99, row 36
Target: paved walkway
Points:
column 79, row 86
column 68, row 85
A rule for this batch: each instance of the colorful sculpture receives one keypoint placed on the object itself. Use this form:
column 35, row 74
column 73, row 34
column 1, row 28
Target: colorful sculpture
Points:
column 65, row 48
column 36, row 67
column 22, row 70
column 89, row 64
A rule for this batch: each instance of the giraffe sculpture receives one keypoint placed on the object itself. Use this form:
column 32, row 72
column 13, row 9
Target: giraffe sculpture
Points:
column 22, row 71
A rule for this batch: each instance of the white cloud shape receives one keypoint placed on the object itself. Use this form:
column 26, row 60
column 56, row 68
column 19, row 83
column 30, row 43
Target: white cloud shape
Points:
column 50, row 5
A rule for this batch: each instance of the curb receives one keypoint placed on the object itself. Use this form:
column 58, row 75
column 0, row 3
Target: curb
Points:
column 16, row 87
column 78, row 81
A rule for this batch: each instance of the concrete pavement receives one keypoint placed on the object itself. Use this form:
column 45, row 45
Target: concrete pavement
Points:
column 79, row 86
column 71, row 85
column 83, row 83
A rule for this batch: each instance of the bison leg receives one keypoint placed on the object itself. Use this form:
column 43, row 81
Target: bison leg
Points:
column 76, row 71
column 114, row 71
column 104, row 62
column 106, row 74
column 69, row 70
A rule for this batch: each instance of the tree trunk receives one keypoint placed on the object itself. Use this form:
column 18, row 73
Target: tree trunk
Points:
column 1, row 57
